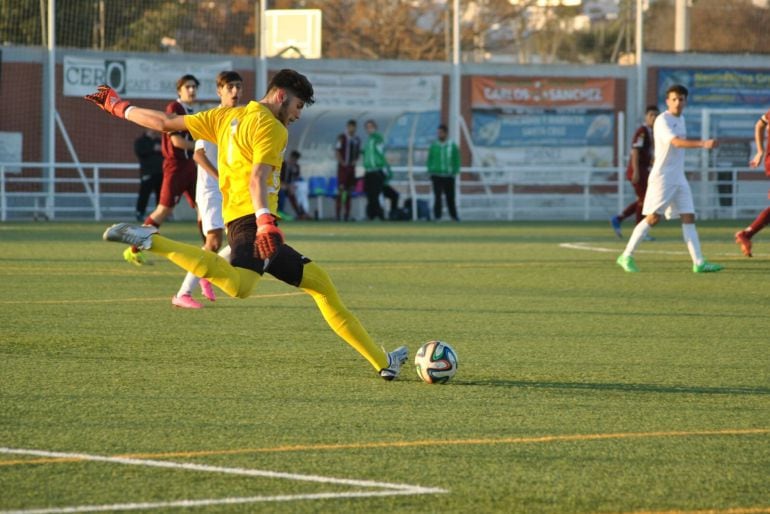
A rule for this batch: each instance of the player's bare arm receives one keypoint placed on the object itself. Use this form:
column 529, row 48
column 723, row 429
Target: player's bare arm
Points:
column 708, row 144
column 178, row 141
column 108, row 100
column 156, row 120
column 203, row 161
column 759, row 139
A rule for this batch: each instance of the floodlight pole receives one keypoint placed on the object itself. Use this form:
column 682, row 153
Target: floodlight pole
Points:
column 49, row 110
column 454, row 90
column 681, row 26
column 260, row 85
column 640, row 72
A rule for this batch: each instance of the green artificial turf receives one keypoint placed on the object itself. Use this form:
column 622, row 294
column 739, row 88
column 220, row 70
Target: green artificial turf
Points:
column 580, row 388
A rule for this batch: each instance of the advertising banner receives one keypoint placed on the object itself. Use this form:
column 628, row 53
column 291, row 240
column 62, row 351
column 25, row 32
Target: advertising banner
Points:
column 546, row 93
column 532, row 120
column 139, row 78
column 718, row 88
column 735, row 99
column 370, row 91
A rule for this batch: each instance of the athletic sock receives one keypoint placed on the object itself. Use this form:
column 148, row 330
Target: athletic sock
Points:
column 233, row 281
column 640, row 231
column 225, row 253
column 759, row 223
column 189, row 284
column 316, row 283
column 692, row 241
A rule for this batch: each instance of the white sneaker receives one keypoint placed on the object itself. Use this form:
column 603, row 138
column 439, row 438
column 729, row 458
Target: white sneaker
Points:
column 396, row 359
column 139, row 236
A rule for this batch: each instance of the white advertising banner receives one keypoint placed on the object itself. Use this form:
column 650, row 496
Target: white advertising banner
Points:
column 10, row 149
column 139, row 78
column 375, row 92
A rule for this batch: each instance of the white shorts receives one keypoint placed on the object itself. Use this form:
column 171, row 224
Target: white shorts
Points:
column 670, row 200
column 209, row 201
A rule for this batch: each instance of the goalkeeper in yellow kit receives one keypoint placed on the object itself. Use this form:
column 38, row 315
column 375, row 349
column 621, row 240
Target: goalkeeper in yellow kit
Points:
column 251, row 140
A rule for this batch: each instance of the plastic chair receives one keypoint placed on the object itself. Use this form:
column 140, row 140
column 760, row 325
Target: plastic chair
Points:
column 331, row 187
column 316, row 186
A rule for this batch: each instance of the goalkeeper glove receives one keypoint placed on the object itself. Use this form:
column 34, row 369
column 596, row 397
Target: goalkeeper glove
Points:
column 269, row 238
column 108, row 99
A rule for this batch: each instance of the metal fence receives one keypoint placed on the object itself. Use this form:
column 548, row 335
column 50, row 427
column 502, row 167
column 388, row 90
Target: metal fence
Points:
column 99, row 191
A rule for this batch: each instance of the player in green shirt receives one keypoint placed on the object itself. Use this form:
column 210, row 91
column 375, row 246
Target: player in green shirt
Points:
column 376, row 168
column 443, row 166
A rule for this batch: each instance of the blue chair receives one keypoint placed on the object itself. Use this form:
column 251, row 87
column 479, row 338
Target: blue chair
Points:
column 331, row 187
column 316, row 186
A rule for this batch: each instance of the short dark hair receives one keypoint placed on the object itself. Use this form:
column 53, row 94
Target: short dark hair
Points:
column 374, row 123
column 651, row 108
column 184, row 78
column 443, row 127
column 225, row 77
column 679, row 89
column 294, row 82
column 295, row 154
column 352, row 122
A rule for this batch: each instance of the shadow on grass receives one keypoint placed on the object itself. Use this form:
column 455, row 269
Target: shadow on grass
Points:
column 621, row 387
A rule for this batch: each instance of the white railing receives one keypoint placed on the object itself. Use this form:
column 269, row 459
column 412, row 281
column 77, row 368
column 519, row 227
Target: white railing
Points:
column 82, row 190
column 584, row 193
column 538, row 192
column 729, row 192
column 96, row 190
column 525, row 192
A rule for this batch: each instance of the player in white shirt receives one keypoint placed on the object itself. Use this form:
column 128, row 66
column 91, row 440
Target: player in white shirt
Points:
column 208, row 197
column 668, row 191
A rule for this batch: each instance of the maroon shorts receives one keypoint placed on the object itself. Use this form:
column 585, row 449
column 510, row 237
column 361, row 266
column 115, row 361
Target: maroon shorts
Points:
column 346, row 177
column 179, row 178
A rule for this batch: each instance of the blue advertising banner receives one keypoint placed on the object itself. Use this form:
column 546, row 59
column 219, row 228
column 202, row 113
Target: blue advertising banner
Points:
column 718, row 88
column 735, row 98
column 497, row 129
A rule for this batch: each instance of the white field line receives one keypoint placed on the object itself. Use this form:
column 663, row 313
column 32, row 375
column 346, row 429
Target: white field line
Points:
column 591, row 248
column 115, row 507
column 390, row 488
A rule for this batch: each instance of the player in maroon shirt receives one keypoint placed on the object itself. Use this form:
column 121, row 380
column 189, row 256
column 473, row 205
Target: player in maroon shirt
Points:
column 179, row 168
column 347, row 149
column 638, row 170
column 761, row 134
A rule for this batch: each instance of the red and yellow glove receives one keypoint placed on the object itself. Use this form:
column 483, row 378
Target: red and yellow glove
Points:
column 108, row 99
column 269, row 237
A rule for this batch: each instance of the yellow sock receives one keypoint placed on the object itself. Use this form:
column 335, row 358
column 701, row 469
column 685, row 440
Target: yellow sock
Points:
column 316, row 283
column 233, row 281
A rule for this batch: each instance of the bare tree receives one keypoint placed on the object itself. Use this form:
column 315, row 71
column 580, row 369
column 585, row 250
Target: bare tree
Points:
column 381, row 29
column 716, row 26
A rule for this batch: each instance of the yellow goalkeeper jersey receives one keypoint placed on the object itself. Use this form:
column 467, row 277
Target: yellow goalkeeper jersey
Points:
column 245, row 136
